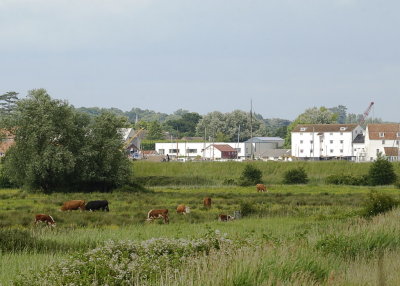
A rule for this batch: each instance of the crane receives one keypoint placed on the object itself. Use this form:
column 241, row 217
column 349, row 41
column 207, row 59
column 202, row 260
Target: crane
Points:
column 365, row 114
column 129, row 141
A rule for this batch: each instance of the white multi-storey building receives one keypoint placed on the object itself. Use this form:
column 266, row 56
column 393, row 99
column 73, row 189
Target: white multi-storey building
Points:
column 383, row 139
column 326, row 141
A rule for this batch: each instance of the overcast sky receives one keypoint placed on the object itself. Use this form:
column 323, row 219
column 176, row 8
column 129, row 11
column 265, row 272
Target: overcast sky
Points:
column 206, row 55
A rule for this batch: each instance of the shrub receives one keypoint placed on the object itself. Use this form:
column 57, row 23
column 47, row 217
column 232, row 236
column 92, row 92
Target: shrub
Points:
column 4, row 180
column 250, row 176
column 342, row 179
column 124, row 262
column 381, row 172
column 246, row 208
column 295, row 176
column 13, row 240
column 378, row 203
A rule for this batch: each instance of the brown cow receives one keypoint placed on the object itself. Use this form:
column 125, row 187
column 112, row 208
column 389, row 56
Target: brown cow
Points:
column 207, row 202
column 261, row 188
column 45, row 218
column 73, row 205
column 224, row 217
column 155, row 214
column 182, row 209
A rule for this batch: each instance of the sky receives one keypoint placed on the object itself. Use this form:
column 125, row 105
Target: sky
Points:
column 205, row 55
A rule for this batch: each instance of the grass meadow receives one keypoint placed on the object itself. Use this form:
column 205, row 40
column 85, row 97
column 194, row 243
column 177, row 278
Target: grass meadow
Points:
column 293, row 235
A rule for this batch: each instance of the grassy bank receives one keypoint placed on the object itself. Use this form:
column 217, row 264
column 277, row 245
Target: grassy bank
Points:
column 217, row 173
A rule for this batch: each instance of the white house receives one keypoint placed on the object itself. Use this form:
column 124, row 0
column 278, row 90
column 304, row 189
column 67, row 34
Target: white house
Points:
column 384, row 139
column 196, row 150
column 325, row 141
column 220, row 152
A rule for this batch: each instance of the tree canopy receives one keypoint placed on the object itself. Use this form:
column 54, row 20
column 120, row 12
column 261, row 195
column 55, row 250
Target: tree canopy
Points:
column 58, row 148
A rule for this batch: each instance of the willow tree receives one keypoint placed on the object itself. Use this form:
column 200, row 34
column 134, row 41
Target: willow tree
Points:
column 59, row 149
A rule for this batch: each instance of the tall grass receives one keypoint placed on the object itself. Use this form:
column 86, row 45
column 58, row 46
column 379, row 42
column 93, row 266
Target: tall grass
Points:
column 219, row 172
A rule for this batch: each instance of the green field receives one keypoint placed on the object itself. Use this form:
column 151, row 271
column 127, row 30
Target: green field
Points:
column 293, row 235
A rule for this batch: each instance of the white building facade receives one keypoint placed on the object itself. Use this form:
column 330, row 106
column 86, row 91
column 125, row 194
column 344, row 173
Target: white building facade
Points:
column 325, row 141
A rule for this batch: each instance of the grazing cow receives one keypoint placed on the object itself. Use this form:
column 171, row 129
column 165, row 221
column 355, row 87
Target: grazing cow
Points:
column 207, row 202
column 155, row 214
column 97, row 205
column 45, row 218
column 182, row 209
column 261, row 188
column 224, row 217
column 73, row 205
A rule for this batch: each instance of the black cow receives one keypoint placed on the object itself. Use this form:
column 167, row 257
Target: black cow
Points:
column 97, row 205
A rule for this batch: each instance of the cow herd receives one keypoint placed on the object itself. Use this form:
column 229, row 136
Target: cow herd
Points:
column 151, row 215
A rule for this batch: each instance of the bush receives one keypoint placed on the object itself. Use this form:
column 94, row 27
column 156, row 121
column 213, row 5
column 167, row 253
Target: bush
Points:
column 124, row 262
column 381, row 172
column 246, row 209
column 4, row 180
column 295, row 176
column 342, row 179
column 14, row 240
column 250, row 176
column 378, row 203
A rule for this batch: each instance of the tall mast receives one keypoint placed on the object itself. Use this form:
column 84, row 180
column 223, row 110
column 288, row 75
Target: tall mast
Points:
column 251, row 128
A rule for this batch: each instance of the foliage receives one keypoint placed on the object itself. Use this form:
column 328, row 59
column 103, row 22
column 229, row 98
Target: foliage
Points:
column 378, row 203
column 295, row 176
column 5, row 180
column 246, row 208
column 341, row 112
column 154, row 131
column 343, row 179
column 8, row 102
column 313, row 115
column 251, row 175
column 125, row 262
column 183, row 126
column 381, row 172
column 58, row 148
column 216, row 123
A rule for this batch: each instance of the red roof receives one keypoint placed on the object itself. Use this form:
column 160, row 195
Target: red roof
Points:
column 224, row 147
column 384, row 131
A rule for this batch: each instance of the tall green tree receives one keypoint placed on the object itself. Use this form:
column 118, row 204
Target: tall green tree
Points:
column 8, row 102
column 381, row 172
column 58, row 148
column 154, row 131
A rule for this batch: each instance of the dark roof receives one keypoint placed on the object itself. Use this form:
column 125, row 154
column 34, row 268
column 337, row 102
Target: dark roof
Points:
column 324, row 127
column 359, row 139
column 390, row 131
column 392, row 151
column 224, row 147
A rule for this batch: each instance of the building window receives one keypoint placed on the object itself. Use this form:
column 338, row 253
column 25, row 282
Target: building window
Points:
column 331, row 150
column 311, row 141
column 377, row 151
column 341, row 141
column 397, row 142
column 342, row 128
column 301, row 141
column 161, row 151
column 341, row 150
column 191, row 150
column 331, row 133
column 173, row 150
column 322, row 149
column 301, row 134
column 341, row 133
column 238, row 150
column 398, row 134
column 303, row 129
column 331, row 141
column 381, row 134
column 311, row 151
column 383, row 142
column 301, row 150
